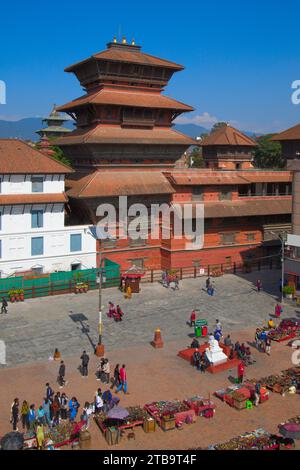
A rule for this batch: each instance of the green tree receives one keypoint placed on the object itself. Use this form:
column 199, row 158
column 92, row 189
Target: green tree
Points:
column 59, row 155
column 268, row 153
column 217, row 126
column 196, row 158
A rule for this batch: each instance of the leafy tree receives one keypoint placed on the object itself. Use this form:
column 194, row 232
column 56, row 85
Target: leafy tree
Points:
column 217, row 126
column 196, row 158
column 268, row 153
column 59, row 155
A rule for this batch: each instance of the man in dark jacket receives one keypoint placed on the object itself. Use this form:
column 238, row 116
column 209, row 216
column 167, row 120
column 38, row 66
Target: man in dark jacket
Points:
column 49, row 392
column 61, row 374
column 4, row 305
column 84, row 363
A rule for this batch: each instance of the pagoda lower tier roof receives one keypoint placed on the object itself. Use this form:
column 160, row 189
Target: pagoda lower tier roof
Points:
column 209, row 177
column 117, row 183
column 17, row 199
column 127, row 98
column 103, row 134
column 247, row 208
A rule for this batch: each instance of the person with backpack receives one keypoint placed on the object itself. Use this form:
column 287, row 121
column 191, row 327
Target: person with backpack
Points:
column 84, row 363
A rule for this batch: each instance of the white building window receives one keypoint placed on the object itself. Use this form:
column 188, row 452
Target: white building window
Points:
column 37, row 184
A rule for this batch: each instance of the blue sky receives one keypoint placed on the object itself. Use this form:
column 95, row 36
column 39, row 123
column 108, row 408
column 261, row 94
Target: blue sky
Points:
column 240, row 57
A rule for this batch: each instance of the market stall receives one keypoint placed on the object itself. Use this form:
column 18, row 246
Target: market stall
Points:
column 131, row 279
column 64, row 433
column 119, row 419
column 201, row 406
column 241, row 396
column 171, row 414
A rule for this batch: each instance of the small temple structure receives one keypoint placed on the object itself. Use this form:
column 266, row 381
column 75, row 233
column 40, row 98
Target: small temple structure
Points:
column 125, row 144
column 229, row 149
column 54, row 125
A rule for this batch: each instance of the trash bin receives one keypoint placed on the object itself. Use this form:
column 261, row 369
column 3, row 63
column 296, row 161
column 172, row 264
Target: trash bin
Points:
column 198, row 331
column 204, row 330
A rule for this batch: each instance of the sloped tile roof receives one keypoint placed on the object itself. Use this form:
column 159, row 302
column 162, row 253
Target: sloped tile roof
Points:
column 102, row 134
column 227, row 135
column 127, row 98
column 17, row 157
column 118, row 183
column 293, row 133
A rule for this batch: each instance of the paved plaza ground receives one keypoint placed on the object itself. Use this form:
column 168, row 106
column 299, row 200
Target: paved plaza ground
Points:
column 32, row 330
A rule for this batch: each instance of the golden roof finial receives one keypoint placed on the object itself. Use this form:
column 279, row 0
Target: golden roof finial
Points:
column 124, row 40
column 115, row 40
column 133, row 42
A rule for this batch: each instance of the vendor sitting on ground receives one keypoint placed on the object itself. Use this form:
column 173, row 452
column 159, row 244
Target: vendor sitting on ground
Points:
column 271, row 324
column 227, row 341
column 196, row 359
column 195, row 343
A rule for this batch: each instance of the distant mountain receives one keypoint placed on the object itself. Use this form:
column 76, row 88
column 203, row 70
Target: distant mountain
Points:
column 25, row 129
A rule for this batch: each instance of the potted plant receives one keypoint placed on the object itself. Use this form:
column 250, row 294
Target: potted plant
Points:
column 21, row 295
column 288, row 292
column 12, row 295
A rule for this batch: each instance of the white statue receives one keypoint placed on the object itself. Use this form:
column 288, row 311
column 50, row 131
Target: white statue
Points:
column 214, row 353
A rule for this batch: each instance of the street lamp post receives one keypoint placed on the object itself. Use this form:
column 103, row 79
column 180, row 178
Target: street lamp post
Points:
column 99, row 351
column 282, row 238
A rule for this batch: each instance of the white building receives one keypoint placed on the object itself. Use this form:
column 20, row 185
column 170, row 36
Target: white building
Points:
column 33, row 236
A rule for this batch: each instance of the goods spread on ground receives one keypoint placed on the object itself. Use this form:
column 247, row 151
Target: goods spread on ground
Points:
column 255, row 440
column 287, row 329
column 281, row 383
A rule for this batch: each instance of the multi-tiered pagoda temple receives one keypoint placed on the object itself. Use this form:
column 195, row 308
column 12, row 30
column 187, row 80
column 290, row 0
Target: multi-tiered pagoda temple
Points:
column 124, row 119
column 54, row 125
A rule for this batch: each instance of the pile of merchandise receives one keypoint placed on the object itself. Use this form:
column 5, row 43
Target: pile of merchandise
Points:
column 255, row 440
column 63, row 433
column 201, row 406
column 170, row 414
column 281, row 383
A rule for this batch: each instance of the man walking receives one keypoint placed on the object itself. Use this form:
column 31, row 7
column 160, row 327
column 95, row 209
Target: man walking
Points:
column 84, row 364
column 123, row 380
column 61, row 374
column 4, row 305
column 268, row 345
column 241, row 371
